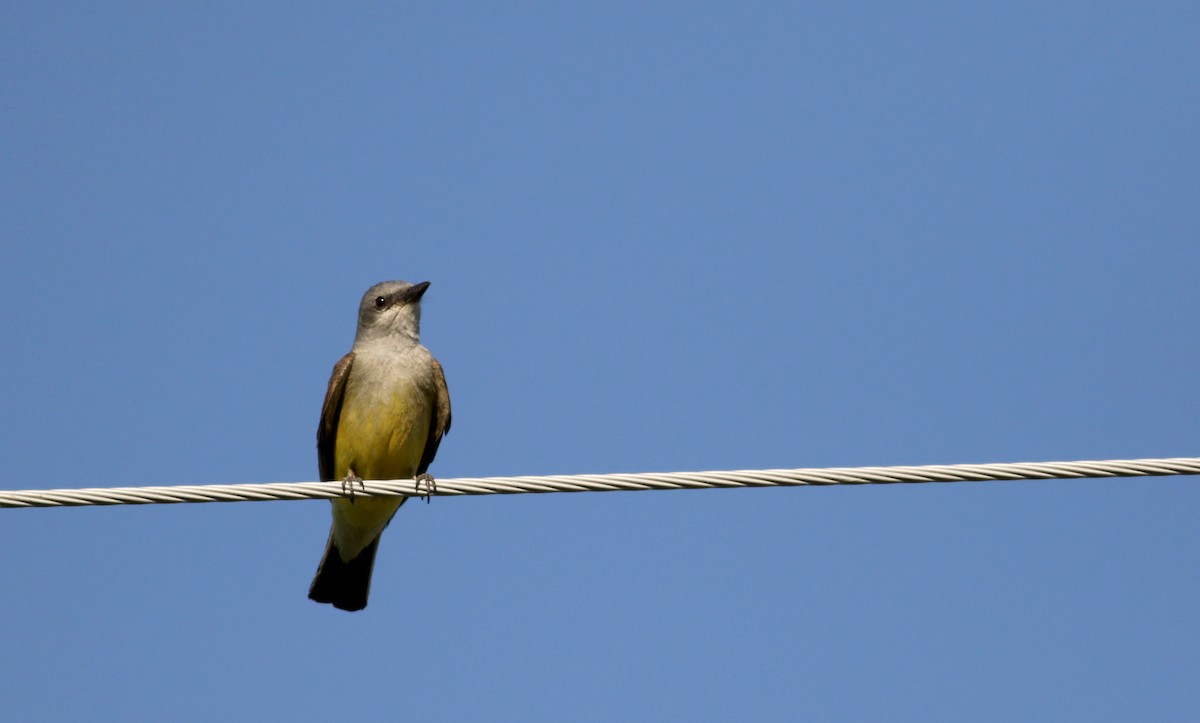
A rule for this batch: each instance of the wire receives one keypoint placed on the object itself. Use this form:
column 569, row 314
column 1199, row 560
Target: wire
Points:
column 604, row 482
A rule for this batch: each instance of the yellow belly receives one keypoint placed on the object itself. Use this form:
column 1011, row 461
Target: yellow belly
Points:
column 381, row 435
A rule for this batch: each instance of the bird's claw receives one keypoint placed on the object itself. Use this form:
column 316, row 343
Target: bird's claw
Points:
column 430, row 486
column 348, row 483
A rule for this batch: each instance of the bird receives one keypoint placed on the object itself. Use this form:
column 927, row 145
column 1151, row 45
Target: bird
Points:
column 385, row 412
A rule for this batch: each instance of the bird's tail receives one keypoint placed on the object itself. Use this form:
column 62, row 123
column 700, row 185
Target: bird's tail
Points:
column 344, row 584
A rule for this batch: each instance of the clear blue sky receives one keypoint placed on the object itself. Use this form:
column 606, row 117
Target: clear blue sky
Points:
column 661, row 237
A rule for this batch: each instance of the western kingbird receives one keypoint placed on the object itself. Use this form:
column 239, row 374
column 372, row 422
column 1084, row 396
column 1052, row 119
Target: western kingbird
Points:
column 385, row 412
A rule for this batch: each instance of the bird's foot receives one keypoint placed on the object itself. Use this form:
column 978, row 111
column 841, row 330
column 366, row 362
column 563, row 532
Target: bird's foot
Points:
column 348, row 483
column 430, row 486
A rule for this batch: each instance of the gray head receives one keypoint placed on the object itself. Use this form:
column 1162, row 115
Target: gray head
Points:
column 391, row 310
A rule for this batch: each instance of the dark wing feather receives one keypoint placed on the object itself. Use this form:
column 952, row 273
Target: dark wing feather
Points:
column 440, row 424
column 331, row 411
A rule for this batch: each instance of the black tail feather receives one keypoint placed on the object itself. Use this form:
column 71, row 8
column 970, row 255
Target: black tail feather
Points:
column 344, row 584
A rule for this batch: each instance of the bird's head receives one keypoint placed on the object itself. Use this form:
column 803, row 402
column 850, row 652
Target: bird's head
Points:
column 391, row 310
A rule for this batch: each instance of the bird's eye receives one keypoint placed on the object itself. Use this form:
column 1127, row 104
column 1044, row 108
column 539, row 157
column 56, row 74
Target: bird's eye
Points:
column 380, row 302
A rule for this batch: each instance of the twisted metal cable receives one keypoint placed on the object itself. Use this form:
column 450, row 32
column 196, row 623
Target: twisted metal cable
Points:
column 604, row 482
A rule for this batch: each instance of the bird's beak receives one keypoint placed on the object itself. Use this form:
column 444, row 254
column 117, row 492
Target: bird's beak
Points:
column 414, row 293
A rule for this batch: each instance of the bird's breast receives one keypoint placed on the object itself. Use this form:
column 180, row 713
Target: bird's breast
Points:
column 384, row 423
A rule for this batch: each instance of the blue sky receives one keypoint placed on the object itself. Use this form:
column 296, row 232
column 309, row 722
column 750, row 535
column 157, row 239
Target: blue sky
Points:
column 661, row 237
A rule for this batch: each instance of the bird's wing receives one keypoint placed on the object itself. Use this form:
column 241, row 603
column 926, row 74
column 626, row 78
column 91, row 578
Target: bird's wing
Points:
column 440, row 424
column 331, row 411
